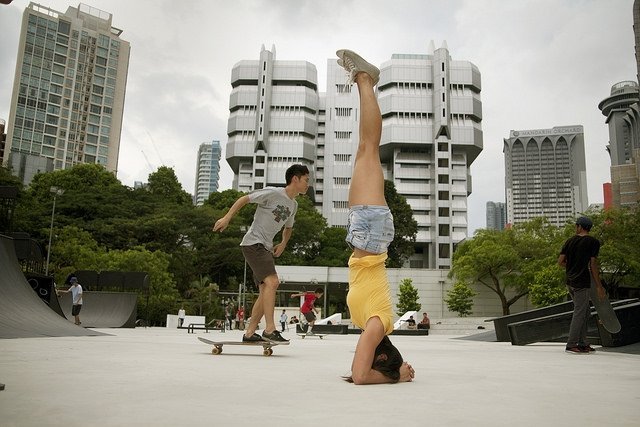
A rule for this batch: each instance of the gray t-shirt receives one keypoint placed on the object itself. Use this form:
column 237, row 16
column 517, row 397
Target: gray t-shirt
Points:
column 275, row 211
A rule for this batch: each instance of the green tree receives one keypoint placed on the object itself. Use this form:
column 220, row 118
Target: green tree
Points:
column 619, row 258
column 460, row 299
column 164, row 183
column 162, row 294
column 406, row 227
column 506, row 262
column 548, row 287
column 203, row 296
column 407, row 297
column 333, row 251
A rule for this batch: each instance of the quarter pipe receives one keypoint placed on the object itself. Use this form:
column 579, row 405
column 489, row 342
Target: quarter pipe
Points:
column 22, row 313
column 104, row 309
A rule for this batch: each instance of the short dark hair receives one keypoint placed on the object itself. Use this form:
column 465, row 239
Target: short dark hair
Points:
column 319, row 291
column 585, row 223
column 295, row 170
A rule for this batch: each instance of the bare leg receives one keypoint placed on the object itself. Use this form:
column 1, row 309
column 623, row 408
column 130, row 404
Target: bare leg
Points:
column 256, row 314
column 367, row 180
column 268, row 293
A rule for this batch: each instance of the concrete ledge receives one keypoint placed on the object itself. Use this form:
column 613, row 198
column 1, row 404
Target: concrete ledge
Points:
column 629, row 317
column 324, row 329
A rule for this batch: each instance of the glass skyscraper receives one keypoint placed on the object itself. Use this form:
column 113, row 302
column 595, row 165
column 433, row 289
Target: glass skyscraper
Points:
column 68, row 93
column 207, row 171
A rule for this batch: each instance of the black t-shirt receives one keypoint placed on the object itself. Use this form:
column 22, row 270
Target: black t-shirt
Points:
column 579, row 250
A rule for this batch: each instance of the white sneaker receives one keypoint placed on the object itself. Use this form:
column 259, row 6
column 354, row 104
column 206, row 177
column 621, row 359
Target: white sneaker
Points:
column 354, row 64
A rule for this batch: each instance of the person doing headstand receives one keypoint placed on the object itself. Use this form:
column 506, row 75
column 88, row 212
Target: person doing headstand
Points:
column 370, row 231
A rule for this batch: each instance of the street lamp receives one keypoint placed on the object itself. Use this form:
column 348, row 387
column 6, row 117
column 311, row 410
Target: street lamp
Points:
column 243, row 285
column 56, row 192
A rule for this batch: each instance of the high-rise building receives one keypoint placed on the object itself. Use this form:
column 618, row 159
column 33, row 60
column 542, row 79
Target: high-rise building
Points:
column 207, row 171
column 496, row 215
column 68, row 92
column 623, row 119
column 431, row 112
column 545, row 174
column 273, row 119
column 3, row 139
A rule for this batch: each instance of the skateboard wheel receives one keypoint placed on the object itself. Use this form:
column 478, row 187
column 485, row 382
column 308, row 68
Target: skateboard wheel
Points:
column 267, row 352
column 216, row 350
column 321, row 337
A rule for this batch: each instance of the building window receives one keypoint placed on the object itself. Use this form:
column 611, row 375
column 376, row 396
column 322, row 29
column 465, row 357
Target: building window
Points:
column 259, row 159
column 443, row 249
column 443, row 163
column 443, row 195
column 443, row 230
column 259, row 172
column 443, row 179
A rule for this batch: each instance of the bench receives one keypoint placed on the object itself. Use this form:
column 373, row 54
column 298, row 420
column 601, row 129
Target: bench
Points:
column 193, row 326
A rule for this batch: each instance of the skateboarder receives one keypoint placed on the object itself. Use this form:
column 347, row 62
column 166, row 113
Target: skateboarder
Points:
column 370, row 231
column 76, row 297
column 276, row 210
column 307, row 306
column 579, row 257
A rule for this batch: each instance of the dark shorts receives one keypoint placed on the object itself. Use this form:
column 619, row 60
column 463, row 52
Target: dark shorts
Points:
column 310, row 316
column 75, row 309
column 260, row 260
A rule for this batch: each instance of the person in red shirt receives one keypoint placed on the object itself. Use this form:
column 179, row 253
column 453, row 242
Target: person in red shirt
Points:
column 307, row 306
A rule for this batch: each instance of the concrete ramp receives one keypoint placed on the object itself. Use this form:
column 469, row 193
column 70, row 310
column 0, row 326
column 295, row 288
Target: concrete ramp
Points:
column 400, row 322
column 22, row 313
column 104, row 309
column 335, row 319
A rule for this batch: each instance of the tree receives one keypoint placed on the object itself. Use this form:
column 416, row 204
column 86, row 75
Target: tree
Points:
column 619, row 258
column 165, row 184
column 407, row 297
column 507, row 261
column 460, row 299
column 548, row 287
column 406, row 227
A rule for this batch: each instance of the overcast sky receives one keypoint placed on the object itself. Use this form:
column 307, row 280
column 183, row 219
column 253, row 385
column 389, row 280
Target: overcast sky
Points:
column 544, row 63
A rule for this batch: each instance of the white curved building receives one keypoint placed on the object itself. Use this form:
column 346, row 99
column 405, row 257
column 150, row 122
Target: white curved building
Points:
column 431, row 134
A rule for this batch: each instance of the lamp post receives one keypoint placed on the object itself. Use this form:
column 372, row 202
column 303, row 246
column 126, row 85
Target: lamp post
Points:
column 56, row 192
column 242, row 286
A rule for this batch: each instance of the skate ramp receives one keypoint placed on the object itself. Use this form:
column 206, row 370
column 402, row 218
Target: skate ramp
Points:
column 22, row 313
column 104, row 309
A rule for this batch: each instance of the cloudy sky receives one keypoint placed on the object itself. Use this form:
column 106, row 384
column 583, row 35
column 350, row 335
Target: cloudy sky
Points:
column 544, row 63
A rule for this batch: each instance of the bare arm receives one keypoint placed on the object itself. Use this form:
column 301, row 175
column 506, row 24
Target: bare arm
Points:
column 223, row 222
column 361, row 371
column 595, row 273
column 562, row 261
column 279, row 248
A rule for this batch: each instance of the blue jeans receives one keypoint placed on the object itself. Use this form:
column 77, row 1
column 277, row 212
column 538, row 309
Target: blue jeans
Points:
column 370, row 228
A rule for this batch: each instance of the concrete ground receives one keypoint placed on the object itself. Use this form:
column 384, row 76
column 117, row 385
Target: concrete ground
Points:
column 166, row 377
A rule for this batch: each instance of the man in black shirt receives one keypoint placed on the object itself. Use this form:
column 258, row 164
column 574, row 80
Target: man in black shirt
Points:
column 579, row 256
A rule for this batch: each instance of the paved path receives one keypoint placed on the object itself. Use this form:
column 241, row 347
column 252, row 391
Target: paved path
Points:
column 163, row 377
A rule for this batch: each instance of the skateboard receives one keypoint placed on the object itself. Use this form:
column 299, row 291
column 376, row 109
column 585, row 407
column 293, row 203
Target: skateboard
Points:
column 266, row 345
column 607, row 317
column 321, row 336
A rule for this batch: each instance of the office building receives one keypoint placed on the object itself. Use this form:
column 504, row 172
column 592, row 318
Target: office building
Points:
column 496, row 215
column 207, row 171
column 623, row 119
column 545, row 174
column 3, row 139
column 273, row 119
column 431, row 134
column 68, row 93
